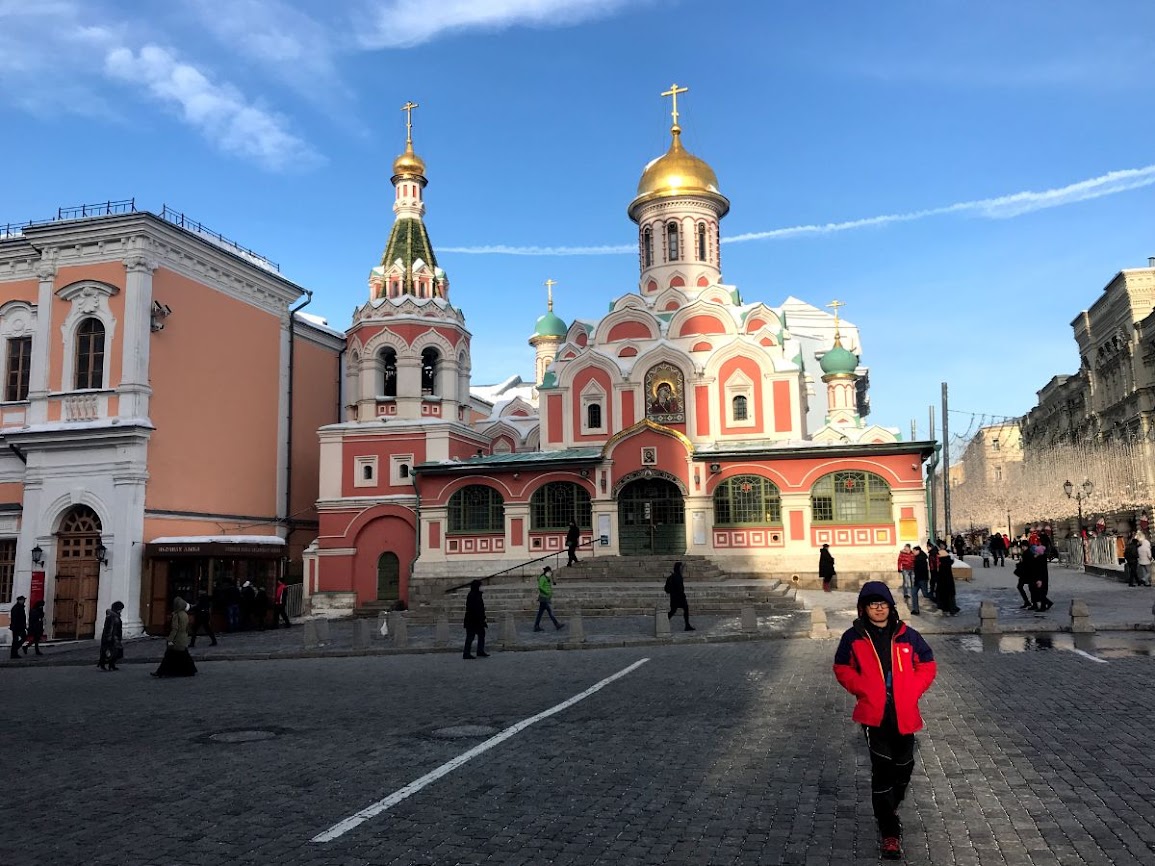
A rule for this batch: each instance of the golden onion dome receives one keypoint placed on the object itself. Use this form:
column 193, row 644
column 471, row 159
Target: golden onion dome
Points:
column 678, row 173
column 408, row 163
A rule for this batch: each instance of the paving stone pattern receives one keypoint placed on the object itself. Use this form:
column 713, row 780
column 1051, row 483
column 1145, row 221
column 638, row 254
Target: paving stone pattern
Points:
column 729, row 753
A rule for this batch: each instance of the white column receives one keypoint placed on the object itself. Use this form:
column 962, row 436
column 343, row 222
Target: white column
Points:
column 134, row 389
column 122, row 575
column 41, row 344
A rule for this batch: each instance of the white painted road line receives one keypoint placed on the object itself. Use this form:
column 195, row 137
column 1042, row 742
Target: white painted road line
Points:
column 396, row 797
column 1086, row 654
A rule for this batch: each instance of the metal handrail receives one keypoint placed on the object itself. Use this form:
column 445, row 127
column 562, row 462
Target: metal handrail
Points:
column 82, row 211
column 188, row 224
column 505, row 571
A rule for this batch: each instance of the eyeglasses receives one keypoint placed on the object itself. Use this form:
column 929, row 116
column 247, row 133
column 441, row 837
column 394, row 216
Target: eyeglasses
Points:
column 878, row 605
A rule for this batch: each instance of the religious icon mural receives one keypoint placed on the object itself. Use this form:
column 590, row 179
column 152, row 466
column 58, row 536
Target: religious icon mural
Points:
column 665, row 394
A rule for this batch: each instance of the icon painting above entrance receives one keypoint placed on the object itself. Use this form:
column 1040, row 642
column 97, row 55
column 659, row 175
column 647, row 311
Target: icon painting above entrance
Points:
column 651, row 515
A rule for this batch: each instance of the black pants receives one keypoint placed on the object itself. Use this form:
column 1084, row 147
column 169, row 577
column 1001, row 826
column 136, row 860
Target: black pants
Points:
column 17, row 639
column 1023, row 585
column 679, row 602
column 891, row 763
column 202, row 622
column 1000, row 557
column 279, row 613
column 470, row 634
column 572, row 550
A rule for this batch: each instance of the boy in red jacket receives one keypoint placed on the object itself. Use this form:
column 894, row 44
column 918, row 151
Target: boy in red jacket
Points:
column 887, row 666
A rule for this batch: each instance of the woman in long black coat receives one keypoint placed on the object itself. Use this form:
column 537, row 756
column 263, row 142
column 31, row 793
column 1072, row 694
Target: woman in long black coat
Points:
column 111, row 644
column 944, row 596
column 1040, row 580
column 826, row 567
column 676, row 587
column 474, row 622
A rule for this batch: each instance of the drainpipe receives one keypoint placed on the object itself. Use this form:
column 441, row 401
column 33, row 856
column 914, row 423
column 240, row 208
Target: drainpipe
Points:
column 931, row 465
column 288, row 518
column 417, row 546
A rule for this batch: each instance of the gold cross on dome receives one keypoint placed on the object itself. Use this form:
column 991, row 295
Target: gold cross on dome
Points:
column 408, row 109
column 549, row 284
column 835, row 305
column 673, row 94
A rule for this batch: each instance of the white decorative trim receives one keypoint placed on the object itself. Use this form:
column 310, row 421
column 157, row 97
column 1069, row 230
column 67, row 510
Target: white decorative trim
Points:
column 89, row 300
column 739, row 385
column 593, row 395
column 397, row 462
column 17, row 320
column 360, row 464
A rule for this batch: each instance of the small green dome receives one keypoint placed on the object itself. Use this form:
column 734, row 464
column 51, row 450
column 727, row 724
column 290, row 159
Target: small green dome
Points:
column 550, row 325
column 838, row 360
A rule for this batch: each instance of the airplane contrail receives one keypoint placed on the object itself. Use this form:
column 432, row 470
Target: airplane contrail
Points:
column 999, row 207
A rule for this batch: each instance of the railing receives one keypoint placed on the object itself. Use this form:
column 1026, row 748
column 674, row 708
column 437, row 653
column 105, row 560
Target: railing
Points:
column 294, row 599
column 188, row 224
column 83, row 211
column 519, row 568
column 1101, row 550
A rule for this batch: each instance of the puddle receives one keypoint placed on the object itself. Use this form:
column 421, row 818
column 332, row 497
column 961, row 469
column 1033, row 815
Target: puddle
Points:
column 1104, row 646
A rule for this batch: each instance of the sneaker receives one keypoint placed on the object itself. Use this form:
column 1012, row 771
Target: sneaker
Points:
column 891, row 848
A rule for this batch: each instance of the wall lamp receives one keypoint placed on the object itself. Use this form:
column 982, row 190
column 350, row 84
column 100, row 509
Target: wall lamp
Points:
column 37, row 555
column 102, row 554
column 715, row 467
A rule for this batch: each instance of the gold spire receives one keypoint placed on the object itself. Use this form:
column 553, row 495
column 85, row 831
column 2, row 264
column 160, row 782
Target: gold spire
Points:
column 409, row 163
column 835, row 305
column 549, row 284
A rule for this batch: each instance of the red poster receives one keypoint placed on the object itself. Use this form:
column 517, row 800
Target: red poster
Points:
column 36, row 593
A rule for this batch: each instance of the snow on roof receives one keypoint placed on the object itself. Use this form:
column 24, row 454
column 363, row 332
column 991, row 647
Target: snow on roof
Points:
column 58, row 426
column 219, row 539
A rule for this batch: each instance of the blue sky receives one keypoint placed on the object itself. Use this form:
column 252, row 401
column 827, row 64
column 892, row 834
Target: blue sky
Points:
column 965, row 175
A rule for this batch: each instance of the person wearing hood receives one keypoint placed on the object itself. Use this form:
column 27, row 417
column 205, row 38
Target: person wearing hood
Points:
column 177, row 662
column 826, row 567
column 474, row 622
column 944, row 595
column 887, row 667
column 676, row 589
column 111, row 643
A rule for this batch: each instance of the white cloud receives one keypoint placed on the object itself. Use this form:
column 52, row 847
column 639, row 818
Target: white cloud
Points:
column 219, row 111
column 405, row 23
column 1000, row 207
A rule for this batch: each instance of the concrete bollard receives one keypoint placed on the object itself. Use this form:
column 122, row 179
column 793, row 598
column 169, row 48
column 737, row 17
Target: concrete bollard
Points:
column 362, row 633
column 988, row 618
column 322, row 630
column 749, row 620
column 575, row 633
column 399, row 628
column 311, row 641
column 818, row 625
column 1080, row 617
column 508, row 630
column 441, row 628
column 661, row 621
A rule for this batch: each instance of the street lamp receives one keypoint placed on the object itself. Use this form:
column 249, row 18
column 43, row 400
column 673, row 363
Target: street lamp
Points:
column 1079, row 496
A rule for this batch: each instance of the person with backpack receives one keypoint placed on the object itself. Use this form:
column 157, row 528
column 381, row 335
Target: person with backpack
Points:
column 676, row 589
column 887, row 666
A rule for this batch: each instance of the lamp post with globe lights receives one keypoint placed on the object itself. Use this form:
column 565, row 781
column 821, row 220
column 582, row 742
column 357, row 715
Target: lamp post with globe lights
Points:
column 1079, row 495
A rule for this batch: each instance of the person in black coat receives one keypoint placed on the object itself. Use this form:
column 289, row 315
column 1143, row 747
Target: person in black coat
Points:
column 676, row 587
column 202, row 618
column 18, row 625
column 826, row 567
column 573, row 538
column 944, row 596
column 921, row 579
column 1040, row 580
column 474, row 622
column 111, row 639
column 35, row 627
column 998, row 550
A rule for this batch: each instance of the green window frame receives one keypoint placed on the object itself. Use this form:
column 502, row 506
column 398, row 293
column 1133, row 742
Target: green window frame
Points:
column 747, row 500
column 849, row 497
column 476, row 509
column 555, row 504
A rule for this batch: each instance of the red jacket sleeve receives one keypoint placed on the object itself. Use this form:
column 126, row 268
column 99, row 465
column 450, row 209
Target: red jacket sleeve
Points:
column 845, row 668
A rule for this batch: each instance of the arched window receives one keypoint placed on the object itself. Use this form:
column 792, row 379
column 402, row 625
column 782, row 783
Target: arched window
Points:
column 388, row 372
column 476, row 508
column 90, row 354
column 747, row 500
column 647, row 247
column 739, row 404
column 555, row 504
column 594, row 416
column 850, row 497
column 672, row 242
column 430, row 361
column 701, row 242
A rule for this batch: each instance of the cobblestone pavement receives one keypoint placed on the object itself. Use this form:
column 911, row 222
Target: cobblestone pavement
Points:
column 728, row 753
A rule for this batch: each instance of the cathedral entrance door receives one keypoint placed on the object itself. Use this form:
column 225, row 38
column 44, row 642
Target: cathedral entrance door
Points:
column 77, row 575
column 388, row 577
column 651, row 518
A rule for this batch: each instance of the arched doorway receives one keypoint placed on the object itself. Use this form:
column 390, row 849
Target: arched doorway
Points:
column 77, row 575
column 388, row 577
column 651, row 518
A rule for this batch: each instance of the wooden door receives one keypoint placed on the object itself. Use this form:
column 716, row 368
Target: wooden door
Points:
column 74, row 609
column 388, row 577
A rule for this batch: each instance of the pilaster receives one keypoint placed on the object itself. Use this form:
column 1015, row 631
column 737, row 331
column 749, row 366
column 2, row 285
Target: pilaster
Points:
column 136, row 338
column 41, row 344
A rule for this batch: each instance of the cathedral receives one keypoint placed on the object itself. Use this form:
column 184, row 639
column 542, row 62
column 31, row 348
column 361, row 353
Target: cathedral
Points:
column 686, row 421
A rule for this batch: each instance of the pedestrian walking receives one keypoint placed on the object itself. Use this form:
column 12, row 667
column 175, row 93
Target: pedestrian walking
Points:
column 826, row 567
column 572, row 539
column 35, row 628
column 906, row 569
column 998, row 550
column 111, row 638
column 1131, row 560
column 232, row 595
column 1041, row 579
column 1025, row 575
column 545, row 599
column 944, row 595
column 18, row 625
column 248, row 600
column 177, row 662
column 261, row 607
column 887, row 666
column 676, row 588
column 921, row 579
column 960, row 547
column 280, row 599
column 202, row 618
column 1144, row 561
column 475, row 622
column 932, row 560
